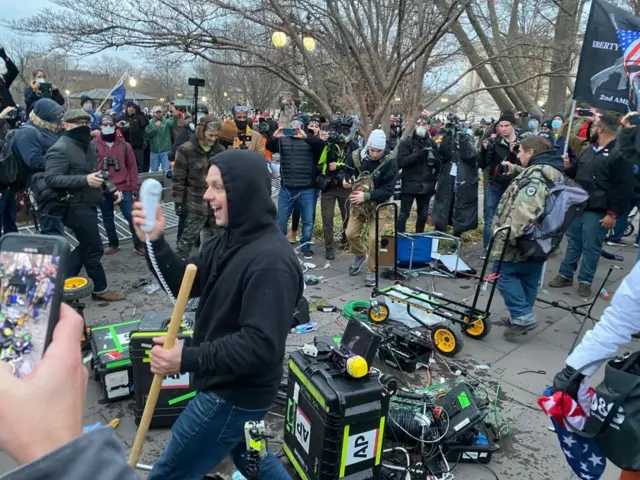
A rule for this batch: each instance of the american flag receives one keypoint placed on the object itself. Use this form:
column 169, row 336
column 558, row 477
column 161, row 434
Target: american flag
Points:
column 582, row 454
column 629, row 41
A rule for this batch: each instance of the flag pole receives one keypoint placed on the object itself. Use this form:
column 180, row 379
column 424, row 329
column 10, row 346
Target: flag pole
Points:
column 109, row 95
column 564, row 152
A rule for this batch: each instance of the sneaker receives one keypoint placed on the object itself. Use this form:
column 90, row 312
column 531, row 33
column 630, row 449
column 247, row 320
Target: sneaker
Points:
column 328, row 254
column 513, row 330
column 293, row 237
column 357, row 265
column 307, row 253
column 615, row 243
column 108, row 296
column 370, row 280
column 584, row 290
column 560, row 282
column 111, row 249
column 140, row 250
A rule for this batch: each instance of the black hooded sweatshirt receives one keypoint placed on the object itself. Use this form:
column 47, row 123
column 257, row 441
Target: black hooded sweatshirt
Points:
column 249, row 282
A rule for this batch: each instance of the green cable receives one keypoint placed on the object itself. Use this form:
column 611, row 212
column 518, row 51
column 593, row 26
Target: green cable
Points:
column 351, row 308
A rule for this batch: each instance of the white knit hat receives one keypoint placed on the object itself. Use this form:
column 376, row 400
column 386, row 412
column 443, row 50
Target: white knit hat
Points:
column 377, row 139
column 157, row 108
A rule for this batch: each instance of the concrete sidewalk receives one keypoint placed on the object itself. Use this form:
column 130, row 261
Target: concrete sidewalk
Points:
column 530, row 451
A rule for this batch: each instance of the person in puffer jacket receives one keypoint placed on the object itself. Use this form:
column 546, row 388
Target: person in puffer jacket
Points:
column 116, row 158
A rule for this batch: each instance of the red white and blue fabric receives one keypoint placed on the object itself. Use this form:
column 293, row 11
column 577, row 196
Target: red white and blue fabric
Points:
column 629, row 41
column 582, row 454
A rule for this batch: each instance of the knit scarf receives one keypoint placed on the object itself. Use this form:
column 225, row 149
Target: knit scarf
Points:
column 43, row 124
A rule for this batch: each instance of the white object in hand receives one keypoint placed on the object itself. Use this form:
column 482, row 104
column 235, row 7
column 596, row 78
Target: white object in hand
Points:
column 150, row 194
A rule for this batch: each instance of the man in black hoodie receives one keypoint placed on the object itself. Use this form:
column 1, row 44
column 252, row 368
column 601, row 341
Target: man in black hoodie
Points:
column 249, row 282
column 6, row 79
column 132, row 127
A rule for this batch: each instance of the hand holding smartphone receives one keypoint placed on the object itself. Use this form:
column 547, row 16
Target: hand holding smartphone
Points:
column 31, row 287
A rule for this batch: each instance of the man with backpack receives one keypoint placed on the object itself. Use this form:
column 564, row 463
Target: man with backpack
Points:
column 606, row 173
column 524, row 207
column 377, row 172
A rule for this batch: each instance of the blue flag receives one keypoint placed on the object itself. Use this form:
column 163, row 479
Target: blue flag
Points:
column 117, row 98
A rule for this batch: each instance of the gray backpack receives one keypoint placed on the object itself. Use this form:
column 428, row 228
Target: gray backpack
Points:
column 565, row 202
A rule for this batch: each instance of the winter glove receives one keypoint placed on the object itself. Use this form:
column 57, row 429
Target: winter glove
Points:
column 568, row 380
column 179, row 210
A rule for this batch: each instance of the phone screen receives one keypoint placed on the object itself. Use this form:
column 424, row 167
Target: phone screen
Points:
column 583, row 112
column 634, row 119
column 288, row 132
column 30, row 295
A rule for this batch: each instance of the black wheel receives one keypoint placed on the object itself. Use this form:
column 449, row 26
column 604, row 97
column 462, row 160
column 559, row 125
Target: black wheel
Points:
column 629, row 230
column 446, row 339
column 76, row 288
column 478, row 329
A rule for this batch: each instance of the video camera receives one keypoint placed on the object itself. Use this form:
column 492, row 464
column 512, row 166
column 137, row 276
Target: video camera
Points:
column 17, row 117
column 108, row 185
column 453, row 123
column 243, row 138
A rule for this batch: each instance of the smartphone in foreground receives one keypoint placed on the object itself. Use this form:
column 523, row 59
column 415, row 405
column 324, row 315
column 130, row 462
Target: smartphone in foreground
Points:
column 583, row 112
column 31, row 287
column 634, row 120
column 288, row 132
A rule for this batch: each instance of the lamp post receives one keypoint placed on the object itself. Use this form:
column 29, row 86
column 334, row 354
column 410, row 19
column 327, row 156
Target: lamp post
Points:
column 279, row 40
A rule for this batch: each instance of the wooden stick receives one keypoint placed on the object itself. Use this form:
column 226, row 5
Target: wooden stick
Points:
column 154, row 391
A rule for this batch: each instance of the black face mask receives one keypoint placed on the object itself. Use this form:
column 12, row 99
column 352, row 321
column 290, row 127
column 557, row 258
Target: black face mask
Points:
column 81, row 135
column 242, row 125
column 109, row 138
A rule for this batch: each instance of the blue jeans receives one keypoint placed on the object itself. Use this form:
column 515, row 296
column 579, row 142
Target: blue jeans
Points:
column 8, row 208
column 494, row 194
column 206, row 432
column 622, row 222
column 107, row 207
column 518, row 285
column 305, row 200
column 585, row 236
column 158, row 159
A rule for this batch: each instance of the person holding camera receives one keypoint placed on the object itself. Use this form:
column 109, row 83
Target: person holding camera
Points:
column 40, row 88
column 247, row 139
column 419, row 160
column 333, row 174
column 6, row 79
column 299, row 157
column 159, row 133
column 493, row 152
column 75, row 188
column 118, row 162
column 605, row 171
column 193, row 160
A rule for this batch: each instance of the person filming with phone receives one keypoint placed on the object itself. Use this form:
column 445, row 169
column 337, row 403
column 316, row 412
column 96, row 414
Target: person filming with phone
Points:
column 41, row 88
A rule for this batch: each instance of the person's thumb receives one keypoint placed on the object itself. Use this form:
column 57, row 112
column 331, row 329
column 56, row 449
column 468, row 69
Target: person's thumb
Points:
column 7, row 377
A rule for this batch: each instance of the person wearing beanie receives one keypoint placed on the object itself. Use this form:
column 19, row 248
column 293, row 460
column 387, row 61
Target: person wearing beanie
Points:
column 159, row 134
column 117, row 160
column 77, row 187
column 132, row 127
column 493, row 152
column 299, row 157
column 86, row 102
column 419, row 160
column 377, row 171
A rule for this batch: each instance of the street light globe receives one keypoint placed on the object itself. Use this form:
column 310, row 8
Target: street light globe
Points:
column 225, row 94
column 444, row 100
column 67, row 92
column 397, row 99
column 133, row 82
column 309, row 43
column 540, row 103
column 161, row 99
column 279, row 39
column 204, row 99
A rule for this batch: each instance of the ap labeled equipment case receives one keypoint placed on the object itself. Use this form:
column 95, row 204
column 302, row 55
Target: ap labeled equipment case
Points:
column 176, row 390
column 334, row 424
column 111, row 363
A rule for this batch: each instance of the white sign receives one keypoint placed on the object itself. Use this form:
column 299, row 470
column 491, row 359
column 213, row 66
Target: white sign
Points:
column 303, row 430
column 124, row 338
column 117, row 379
column 361, row 447
column 179, row 380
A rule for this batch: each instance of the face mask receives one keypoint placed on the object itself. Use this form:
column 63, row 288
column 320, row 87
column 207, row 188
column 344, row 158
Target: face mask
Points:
column 108, row 130
column 556, row 124
column 533, row 125
column 87, row 107
column 421, row 131
column 41, row 80
column 241, row 124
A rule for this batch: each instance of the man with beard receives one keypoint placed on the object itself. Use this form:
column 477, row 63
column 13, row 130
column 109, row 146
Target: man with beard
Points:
column 132, row 127
column 607, row 176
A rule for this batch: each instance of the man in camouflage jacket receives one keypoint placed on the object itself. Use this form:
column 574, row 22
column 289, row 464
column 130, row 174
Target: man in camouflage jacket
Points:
column 192, row 163
column 522, row 205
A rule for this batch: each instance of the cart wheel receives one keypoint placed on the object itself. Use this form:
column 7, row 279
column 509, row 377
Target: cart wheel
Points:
column 629, row 230
column 478, row 329
column 378, row 313
column 446, row 340
column 76, row 288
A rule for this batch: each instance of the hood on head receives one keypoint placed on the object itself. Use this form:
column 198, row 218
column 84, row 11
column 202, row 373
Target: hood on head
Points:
column 48, row 110
column 84, row 99
column 248, row 186
column 552, row 157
